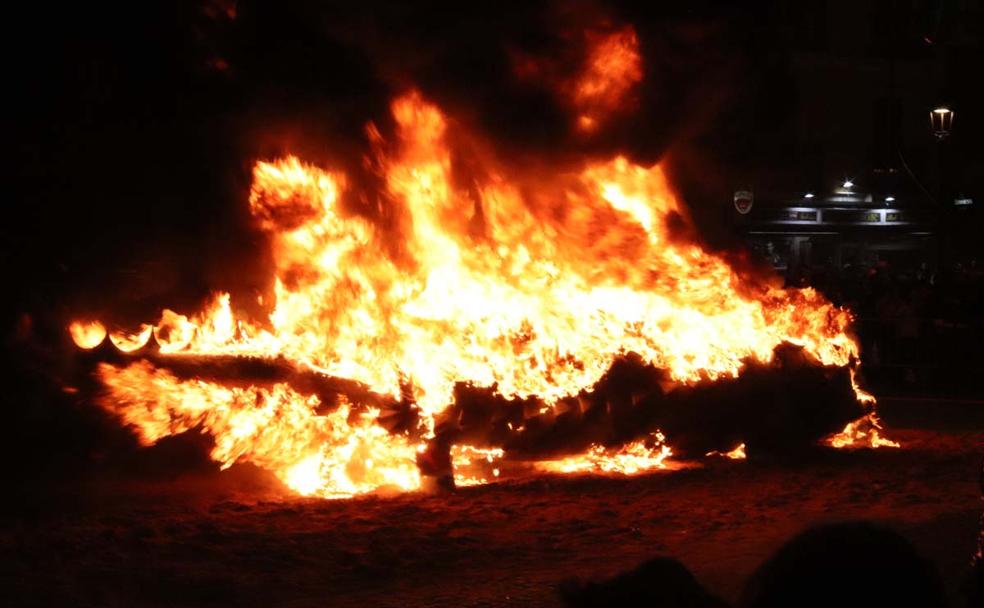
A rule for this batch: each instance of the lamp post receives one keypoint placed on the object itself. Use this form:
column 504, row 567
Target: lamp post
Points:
column 941, row 121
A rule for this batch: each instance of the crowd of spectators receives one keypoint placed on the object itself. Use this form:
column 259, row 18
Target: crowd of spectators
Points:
column 921, row 330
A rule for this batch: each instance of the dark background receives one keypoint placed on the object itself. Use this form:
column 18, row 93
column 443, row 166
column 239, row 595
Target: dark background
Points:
column 135, row 127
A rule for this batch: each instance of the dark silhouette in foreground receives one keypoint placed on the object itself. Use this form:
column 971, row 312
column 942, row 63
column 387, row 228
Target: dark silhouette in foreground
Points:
column 661, row 581
column 848, row 564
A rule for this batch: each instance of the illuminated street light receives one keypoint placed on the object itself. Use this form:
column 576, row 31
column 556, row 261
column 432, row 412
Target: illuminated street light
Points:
column 889, row 199
column 808, row 195
column 848, row 184
column 941, row 120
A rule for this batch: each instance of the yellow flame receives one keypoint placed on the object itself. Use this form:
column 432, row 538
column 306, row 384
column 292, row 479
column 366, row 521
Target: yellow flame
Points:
column 87, row 334
column 863, row 432
column 333, row 455
column 636, row 457
column 528, row 287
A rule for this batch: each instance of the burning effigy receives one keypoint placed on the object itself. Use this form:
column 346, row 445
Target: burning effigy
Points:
column 471, row 326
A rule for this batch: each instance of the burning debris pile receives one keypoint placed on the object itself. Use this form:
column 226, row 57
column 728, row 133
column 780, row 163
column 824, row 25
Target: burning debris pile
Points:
column 497, row 322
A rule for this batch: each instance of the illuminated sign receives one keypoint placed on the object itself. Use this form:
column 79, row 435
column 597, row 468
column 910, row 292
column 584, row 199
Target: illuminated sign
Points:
column 801, row 216
column 743, row 201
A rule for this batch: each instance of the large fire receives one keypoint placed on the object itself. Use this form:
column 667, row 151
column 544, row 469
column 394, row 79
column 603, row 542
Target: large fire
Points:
column 528, row 286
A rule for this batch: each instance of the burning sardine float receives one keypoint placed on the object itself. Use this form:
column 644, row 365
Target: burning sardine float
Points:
column 506, row 321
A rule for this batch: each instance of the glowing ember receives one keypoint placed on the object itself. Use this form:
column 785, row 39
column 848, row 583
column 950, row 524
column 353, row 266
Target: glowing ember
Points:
column 474, row 466
column 636, row 457
column 863, row 432
column 736, row 454
column 87, row 334
column 528, row 287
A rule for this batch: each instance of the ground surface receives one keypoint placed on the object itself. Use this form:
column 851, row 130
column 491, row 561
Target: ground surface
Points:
column 506, row 544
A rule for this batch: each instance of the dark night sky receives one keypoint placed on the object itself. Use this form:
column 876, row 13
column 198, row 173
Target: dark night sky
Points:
column 135, row 126
column 134, row 147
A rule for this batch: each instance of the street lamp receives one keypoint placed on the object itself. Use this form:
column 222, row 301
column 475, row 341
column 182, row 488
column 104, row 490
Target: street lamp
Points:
column 941, row 120
column 846, row 187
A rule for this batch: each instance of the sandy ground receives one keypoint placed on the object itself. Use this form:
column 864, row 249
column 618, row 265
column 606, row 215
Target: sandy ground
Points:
column 504, row 544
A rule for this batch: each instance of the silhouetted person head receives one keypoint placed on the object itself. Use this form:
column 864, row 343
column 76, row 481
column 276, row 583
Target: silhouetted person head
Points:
column 848, row 564
column 658, row 583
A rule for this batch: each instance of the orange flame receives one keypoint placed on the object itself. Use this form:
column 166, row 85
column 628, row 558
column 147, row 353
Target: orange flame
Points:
column 275, row 428
column 613, row 68
column 736, row 454
column 863, row 432
column 526, row 288
column 87, row 334
column 636, row 457
column 129, row 342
